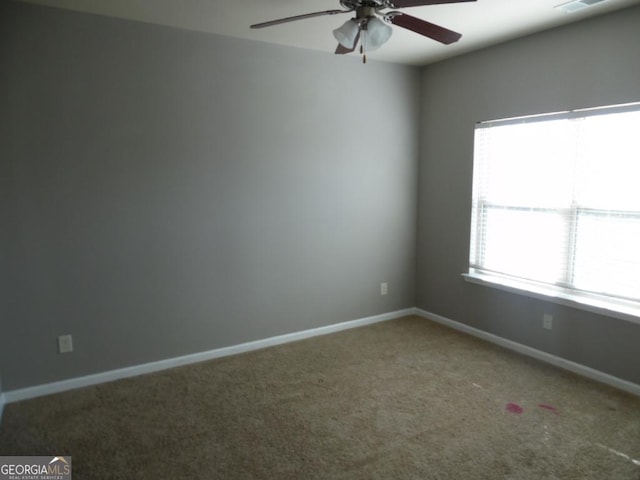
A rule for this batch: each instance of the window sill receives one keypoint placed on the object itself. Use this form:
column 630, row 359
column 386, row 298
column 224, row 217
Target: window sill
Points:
column 629, row 311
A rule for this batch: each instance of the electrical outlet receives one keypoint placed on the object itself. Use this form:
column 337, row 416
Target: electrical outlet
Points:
column 65, row 344
column 384, row 288
column 547, row 321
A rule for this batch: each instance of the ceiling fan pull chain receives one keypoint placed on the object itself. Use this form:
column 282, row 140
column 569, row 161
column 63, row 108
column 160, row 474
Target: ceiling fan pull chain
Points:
column 363, row 42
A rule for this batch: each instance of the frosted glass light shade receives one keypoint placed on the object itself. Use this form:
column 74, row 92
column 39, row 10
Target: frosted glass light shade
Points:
column 378, row 33
column 346, row 34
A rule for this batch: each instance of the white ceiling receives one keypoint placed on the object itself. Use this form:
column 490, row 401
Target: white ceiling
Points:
column 481, row 23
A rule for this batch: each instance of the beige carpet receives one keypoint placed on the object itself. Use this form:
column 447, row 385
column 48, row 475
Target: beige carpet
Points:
column 404, row 399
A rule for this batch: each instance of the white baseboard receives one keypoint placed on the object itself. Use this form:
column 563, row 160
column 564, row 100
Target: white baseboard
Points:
column 532, row 352
column 94, row 379
column 103, row 377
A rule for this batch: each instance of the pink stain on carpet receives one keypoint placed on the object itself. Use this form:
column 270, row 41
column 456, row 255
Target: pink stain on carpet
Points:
column 551, row 408
column 514, row 408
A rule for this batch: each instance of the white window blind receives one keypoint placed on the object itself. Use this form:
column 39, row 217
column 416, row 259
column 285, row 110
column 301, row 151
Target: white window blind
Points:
column 556, row 201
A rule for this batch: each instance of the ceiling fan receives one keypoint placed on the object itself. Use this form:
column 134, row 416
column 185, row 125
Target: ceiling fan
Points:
column 370, row 25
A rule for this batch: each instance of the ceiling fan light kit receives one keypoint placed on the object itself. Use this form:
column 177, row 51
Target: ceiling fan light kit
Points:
column 370, row 26
column 372, row 32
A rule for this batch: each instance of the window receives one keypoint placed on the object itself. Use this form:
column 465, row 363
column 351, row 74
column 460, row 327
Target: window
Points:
column 556, row 204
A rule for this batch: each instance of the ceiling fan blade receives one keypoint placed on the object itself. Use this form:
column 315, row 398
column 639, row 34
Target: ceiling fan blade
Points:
column 431, row 30
column 418, row 3
column 341, row 49
column 298, row 17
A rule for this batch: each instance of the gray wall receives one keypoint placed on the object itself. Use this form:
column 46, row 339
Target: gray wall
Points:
column 166, row 192
column 595, row 62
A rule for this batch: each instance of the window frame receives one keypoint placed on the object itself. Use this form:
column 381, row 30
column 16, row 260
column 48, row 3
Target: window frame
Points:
column 562, row 291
